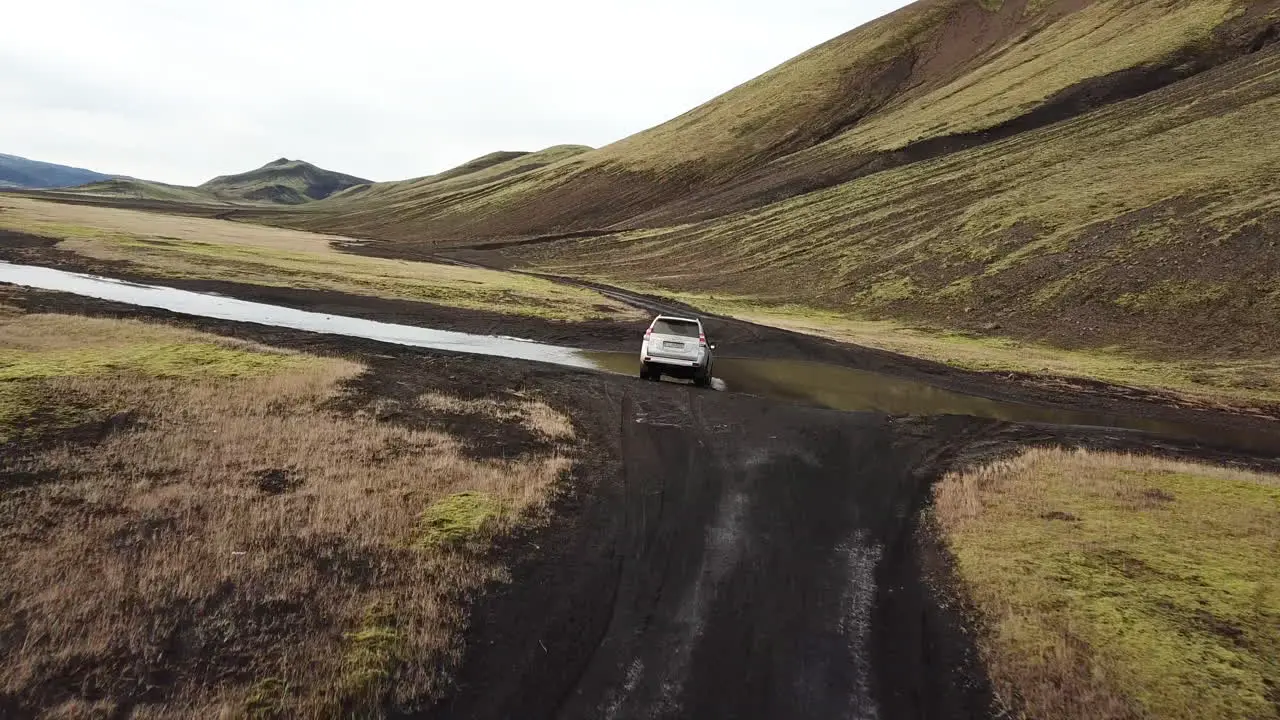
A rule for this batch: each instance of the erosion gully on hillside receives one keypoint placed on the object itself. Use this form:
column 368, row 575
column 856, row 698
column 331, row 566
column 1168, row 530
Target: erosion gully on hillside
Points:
column 716, row 554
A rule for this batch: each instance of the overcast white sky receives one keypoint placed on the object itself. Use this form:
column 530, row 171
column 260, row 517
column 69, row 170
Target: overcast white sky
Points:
column 181, row 91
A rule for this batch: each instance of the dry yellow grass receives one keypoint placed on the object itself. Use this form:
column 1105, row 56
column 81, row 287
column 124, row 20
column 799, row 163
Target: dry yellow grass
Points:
column 1121, row 586
column 537, row 416
column 24, row 213
column 233, row 545
column 205, row 248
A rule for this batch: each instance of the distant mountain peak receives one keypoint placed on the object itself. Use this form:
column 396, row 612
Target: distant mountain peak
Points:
column 20, row 172
column 281, row 181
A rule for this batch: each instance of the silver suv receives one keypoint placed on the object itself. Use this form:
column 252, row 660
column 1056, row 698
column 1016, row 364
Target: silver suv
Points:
column 676, row 346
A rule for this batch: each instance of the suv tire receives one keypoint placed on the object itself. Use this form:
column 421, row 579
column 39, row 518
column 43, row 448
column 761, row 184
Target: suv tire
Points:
column 703, row 378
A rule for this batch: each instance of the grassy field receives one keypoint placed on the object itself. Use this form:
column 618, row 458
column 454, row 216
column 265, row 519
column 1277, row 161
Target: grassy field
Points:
column 1114, row 586
column 192, row 529
column 190, row 247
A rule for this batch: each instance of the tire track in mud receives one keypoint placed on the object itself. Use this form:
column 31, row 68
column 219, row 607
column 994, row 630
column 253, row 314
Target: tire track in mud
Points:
column 659, row 687
column 734, row 569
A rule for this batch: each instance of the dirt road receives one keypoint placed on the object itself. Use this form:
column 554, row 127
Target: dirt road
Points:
column 747, row 561
column 744, row 559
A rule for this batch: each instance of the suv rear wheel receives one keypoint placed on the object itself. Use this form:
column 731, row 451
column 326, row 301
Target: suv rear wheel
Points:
column 703, row 377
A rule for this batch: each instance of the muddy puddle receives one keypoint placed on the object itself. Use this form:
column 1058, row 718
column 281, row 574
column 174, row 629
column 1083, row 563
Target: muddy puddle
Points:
column 841, row 388
column 811, row 383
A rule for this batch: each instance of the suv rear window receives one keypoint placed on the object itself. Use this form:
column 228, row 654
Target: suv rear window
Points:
column 683, row 328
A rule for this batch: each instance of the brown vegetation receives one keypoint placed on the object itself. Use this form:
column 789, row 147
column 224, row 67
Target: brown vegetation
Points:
column 233, row 534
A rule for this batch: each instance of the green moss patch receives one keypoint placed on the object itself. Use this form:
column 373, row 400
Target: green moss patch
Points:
column 458, row 518
column 35, row 353
column 174, row 359
column 267, row 699
column 1176, row 295
column 1162, row 583
column 25, row 411
column 371, row 656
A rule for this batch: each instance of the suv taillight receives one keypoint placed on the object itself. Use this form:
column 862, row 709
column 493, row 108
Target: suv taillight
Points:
column 702, row 339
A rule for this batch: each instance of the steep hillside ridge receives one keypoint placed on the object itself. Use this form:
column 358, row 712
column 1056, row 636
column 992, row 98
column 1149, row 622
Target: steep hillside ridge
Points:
column 935, row 77
column 1151, row 223
column 1102, row 54
column 750, row 124
column 420, row 197
column 481, row 163
column 19, row 172
column 283, row 181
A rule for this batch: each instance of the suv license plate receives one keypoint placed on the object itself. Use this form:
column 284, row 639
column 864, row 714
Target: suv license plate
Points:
column 673, row 345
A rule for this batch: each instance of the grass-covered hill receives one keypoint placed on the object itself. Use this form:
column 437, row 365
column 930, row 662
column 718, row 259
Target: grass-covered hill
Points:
column 1151, row 221
column 294, row 182
column 422, row 197
column 283, row 181
column 1088, row 172
column 134, row 189
column 937, row 76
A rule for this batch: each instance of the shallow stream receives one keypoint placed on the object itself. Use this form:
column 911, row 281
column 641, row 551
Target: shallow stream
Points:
column 825, row 385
